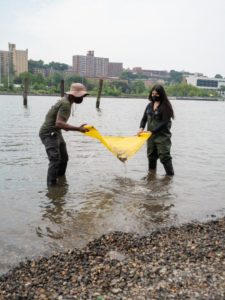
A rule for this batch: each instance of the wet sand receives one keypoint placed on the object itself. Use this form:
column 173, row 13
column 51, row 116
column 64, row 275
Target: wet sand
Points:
column 186, row 262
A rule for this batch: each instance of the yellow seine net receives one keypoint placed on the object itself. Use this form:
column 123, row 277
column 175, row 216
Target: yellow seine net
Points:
column 123, row 147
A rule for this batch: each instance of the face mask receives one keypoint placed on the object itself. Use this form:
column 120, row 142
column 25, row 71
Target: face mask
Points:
column 78, row 100
column 155, row 98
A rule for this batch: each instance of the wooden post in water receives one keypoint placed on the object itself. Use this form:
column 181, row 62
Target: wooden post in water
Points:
column 25, row 91
column 62, row 91
column 99, row 93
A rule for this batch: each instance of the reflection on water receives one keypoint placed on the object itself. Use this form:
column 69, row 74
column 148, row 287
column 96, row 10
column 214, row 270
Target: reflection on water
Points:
column 157, row 205
column 59, row 191
column 100, row 194
column 54, row 209
column 26, row 111
column 129, row 205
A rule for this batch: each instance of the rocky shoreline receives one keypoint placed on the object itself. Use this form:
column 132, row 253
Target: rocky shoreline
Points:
column 186, row 262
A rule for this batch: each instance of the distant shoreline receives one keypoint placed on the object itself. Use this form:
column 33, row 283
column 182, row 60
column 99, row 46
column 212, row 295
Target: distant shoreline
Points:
column 199, row 98
column 194, row 98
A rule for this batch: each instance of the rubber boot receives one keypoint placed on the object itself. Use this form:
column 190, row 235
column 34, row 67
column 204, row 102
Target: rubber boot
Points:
column 62, row 168
column 152, row 164
column 51, row 182
column 168, row 166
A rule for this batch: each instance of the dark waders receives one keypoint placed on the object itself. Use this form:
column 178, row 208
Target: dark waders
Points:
column 159, row 147
column 57, row 154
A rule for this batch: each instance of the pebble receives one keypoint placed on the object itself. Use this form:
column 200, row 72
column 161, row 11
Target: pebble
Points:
column 185, row 262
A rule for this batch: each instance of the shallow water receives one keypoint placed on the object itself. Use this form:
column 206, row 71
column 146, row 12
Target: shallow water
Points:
column 101, row 194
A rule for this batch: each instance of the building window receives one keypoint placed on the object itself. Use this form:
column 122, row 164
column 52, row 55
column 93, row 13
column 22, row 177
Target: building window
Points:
column 207, row 83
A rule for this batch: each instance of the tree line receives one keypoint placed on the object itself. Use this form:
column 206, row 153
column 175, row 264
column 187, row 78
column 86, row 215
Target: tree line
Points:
column 129, row 84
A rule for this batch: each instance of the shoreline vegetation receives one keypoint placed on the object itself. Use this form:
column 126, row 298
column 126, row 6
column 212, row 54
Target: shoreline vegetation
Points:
column 52, row 78
column 183, row 262
column 128, row 85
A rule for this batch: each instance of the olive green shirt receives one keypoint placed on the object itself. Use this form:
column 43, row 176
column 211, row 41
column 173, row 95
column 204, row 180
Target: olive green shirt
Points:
column 63, row 108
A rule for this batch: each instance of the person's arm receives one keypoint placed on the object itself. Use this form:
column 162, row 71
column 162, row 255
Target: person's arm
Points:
column 61, row 124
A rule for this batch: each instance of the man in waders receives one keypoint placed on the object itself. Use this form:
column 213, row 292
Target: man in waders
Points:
column 51, row 135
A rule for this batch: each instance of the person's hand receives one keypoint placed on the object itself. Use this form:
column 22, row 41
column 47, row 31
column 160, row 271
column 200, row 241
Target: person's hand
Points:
column 140, row 131
column 83, row 129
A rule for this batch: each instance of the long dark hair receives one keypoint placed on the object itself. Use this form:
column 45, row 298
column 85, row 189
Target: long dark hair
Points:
column 165, row 105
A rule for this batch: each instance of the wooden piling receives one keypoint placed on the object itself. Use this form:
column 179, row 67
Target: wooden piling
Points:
column 25, row 91
column 62, row 91
column 99, row 93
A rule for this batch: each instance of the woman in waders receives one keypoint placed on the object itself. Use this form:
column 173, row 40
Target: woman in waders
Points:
column 158, row 115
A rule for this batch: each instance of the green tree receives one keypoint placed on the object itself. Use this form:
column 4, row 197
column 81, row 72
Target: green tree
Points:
column 110, row 90
column 58, row 66
column 53, row 79
column 38, row 78
column 122, row 85
column 39, row 64
column 138, row 87
column 142, row 76
column 74, row 78
column 127, row 75
column 56, row 78
column 187, row 90
column 17, row 80
column 24, row 75
column 175, row 77
column 32, row 64
column 218, row 76
column 39, row 86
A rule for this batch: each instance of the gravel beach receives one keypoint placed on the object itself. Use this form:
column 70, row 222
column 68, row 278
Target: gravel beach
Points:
column 186, row 262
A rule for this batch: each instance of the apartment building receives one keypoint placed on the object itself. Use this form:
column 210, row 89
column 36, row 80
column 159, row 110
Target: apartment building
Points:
column 5, row 65
column 92, row 67
column 91, row 64
column 13, row 62
column 115, row 69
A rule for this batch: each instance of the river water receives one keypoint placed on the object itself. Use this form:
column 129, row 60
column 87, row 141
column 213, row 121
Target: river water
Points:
column 100, row 194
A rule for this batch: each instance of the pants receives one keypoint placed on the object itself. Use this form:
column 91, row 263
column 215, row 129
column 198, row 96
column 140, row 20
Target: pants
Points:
column 160, row 148
column 57, row 155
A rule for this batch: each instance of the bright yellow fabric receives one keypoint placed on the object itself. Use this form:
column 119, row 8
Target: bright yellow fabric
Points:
column 123, row 147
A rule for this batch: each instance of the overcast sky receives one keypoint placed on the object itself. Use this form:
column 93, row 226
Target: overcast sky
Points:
column 153, row 34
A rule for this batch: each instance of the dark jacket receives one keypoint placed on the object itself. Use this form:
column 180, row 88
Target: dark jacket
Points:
column 156, row 124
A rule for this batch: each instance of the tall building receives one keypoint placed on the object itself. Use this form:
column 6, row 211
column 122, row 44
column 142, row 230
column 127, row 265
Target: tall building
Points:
column 115, row 69
column 101, row 67
column 5, row 68
column 20, row 59
column 13, row 62
column 90, row 66
column 80, row 64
